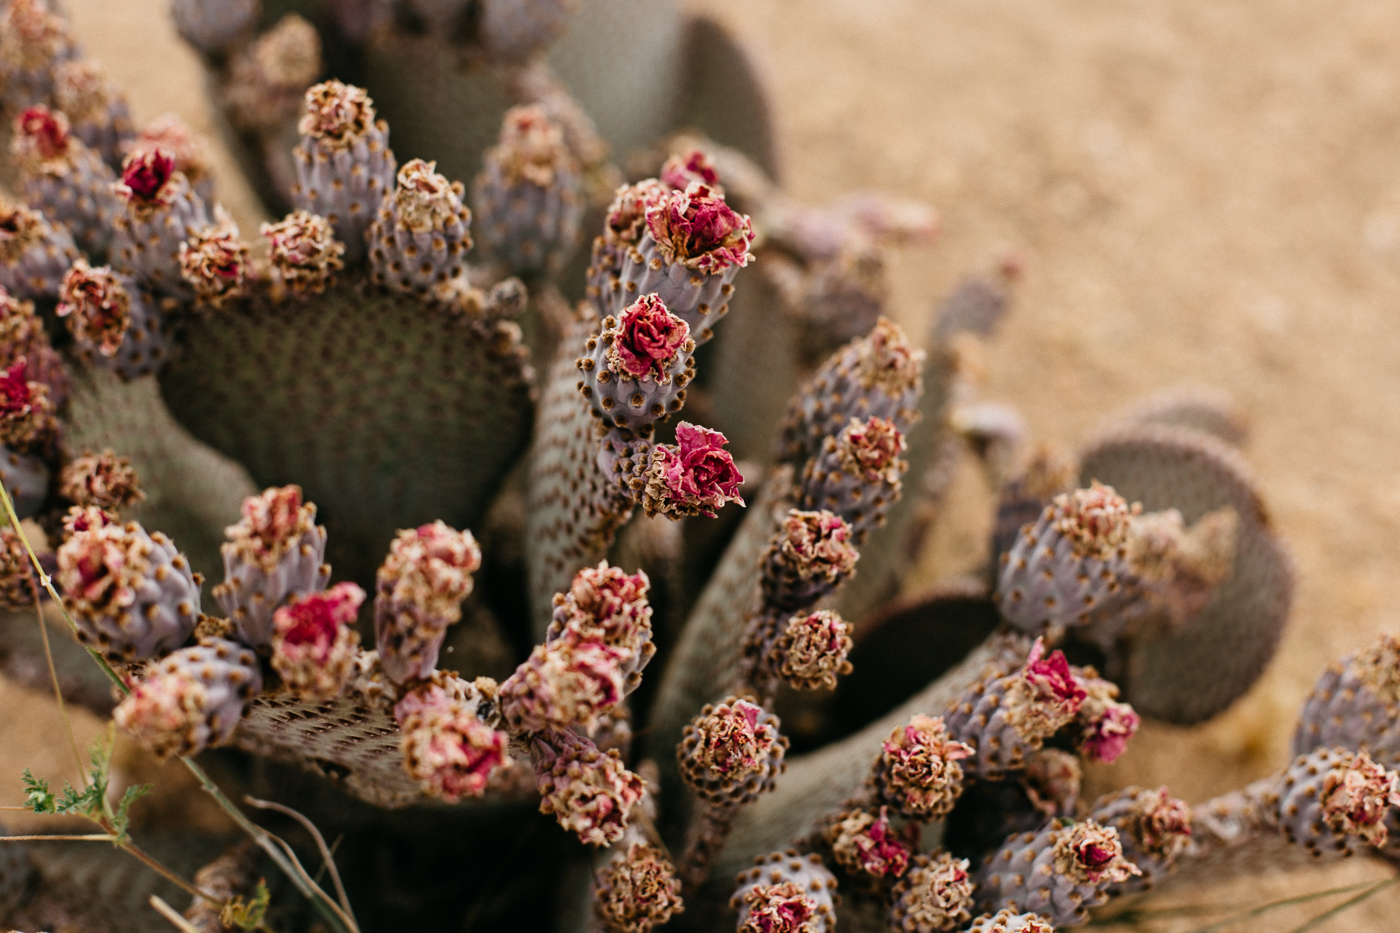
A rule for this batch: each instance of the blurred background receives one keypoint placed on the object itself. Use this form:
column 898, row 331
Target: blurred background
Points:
column 1201, row 194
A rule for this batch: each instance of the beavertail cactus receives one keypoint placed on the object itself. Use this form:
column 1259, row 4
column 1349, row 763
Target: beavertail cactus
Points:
column 193, row 699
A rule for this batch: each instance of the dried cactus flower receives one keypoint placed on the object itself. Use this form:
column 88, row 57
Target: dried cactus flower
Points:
column 917, row 772
column 636, row 891
column 420, row 589
column 1332, row 798
column 786, row 892
column 98, row 306
column 1154, row 829
column 862, row 842
column 214, row 261
column 811, row 555
column 314, row 643
column 18, row 586
column 589, row 792
column 813, row 649
column 569, row 680
column 935, row 895
column 104, row 480
column 446, row 747
column 33, row 252
column 22, row 335
column 695, row 477
column 1058, row 872
column 1009, row 921
column 1105, row 725
column 731, row 752
column 26, row 413
column 303, row 253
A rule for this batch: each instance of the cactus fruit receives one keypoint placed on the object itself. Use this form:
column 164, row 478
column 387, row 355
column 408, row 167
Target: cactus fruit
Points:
column 725, row 360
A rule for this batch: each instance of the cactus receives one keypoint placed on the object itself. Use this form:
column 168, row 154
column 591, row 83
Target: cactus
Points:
column 665, row 567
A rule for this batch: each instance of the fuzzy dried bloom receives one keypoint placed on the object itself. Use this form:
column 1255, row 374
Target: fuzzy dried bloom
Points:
column 431, row 567
column 886, row 360
column 149, row 181
column 314, row 641
column 446, row 747
column 1009, row 921
column 83, row 92
column 1044, row 695
column 1088, row 853
column 569, row 681
column 17, row 583
column 813, row 650
column 816, row 545
column 1095, row 520
column 647, row 340
column 680, row 171
column 289, row 54
column 864, row 842
column 935, row 895
column 626, row 217
column 21, row 229
column 731, row 742
column 163, row 713
column 104, row 480
column 22, row 334
column 870, row 449
column 637, row 891
column 1356, row 796
column 425, row 200
column 697, row 476
column 1162, row 823
column 99, row 569
column 214, row 261
column 41, row 141
column 85, row 517
column 1106, row 724
column 272, row 525
column 607, row 604
column 779, row 908
column 918, row 768
column 97, row 305
column 336, row 114
column 170, row 134
column 532, row 148
column 303, row 252
column 26, row 413
column 1052, row 781
column 589, row 792
column 1378, row 667
column 31, row 36
column 191, row 700
column 697, row 229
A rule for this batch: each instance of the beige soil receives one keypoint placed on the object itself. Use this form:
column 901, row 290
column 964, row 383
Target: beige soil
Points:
column 1204, row 193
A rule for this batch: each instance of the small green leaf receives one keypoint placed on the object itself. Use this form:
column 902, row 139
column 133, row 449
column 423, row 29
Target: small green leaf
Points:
column 121, row 820
column 247, row 915
column 36, row 791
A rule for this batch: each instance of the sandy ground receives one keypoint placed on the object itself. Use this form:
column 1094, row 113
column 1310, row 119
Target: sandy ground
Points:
column 1203, row 193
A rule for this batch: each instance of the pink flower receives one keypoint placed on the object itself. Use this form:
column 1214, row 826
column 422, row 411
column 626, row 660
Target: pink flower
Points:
column 16, row 399
column 145, row 175
column 871, row 844
column 314, row 621
column 99, row 305
column 696, row 228
column 648, row 339
column 1105, row 739
column 1051, row 679
column 446, row 748
column 777, row 908
column 45, row 130
column 699, row 473
column 626, row 217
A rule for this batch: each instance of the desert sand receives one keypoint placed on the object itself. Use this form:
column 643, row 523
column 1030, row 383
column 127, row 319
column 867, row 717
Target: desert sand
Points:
column 1203, row 194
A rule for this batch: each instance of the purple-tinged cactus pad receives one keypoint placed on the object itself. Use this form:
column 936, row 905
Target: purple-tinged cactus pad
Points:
column 344, row 164
column 1153, row 827
column 193, row 699
column 64, row 179
column 34, row 254
column 590, row 793
column 96, row 107
column 34, row 39
column 1355, row 704
column 26, row 479
column 1059, row 872
column 857, row 474
column 1334, row 799
column 514, row 30
column 212, row 27
column 161, row 212
column 117, row 324
column 1011, row 921
column 275, row 552
column 419, row 239
column 1191, row 673
column 132, row 595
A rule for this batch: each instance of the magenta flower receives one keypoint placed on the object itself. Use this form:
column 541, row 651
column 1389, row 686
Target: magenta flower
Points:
column 698, row 473
column 648, row 339
column 695, row 166
column 1051, row 679
column 697, row 229
column 145, row 176
column 45, row 130
column 1105, row 739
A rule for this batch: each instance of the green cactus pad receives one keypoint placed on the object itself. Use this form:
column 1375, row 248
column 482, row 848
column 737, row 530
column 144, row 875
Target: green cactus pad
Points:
column 1192, row 674
column 388, row 412
column 192, row 491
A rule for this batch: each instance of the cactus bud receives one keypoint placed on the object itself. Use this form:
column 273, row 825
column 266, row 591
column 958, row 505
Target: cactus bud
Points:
column 1009, row 921
column 857, row 474
column 810, row 557
column 1058, row 872
column 276, row 550
column 85, row 517
column 17, row 583
column 214, row 27
column 115, row 323
column 26, row 414
column 604, row 604
column 1153, row 827
column 193, row 699
column 447, row 748
column 590, row 793
column 96, row 107
column 267, row 78
column 22, row 334
column 1105, row 725
column 934, row 896
column 1332, row 798
column 170, row 134
column 420, row 589
column 731, row 752
column 636, row 891
column 304, row 254
column 161, row 212
column 149, row 181
column 637, row 368
column 104, row 480
column 420, row 236
column 132, row 594
column 812, row 650
column 314, row 641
